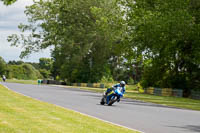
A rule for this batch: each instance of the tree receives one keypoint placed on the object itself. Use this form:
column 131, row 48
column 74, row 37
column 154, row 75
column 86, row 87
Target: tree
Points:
column 15, row 62
column 34, row 64
column 84, row 33
column 23, row 71
column 45, row 67
column 2, row 66
column 45, row 73
column 45, row 63
column 167, row 34
column 8, row 2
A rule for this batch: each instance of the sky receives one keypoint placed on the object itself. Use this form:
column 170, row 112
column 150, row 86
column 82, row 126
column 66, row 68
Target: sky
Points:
column 10, row 17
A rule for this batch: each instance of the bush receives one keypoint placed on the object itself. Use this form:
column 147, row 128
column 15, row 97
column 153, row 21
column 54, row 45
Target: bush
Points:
column 140, row 88
column 131, row 81
column 45, row 73
column 2, row 66
column 24, row 71
column 108, row 81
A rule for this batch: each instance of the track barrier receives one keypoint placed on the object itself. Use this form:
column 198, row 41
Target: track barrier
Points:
column 164, row 91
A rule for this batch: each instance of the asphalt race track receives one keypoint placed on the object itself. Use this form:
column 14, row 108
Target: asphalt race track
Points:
column 146, row 117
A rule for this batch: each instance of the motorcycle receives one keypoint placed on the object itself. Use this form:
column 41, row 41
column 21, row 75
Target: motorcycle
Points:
column 4, row 78
column 117, row 95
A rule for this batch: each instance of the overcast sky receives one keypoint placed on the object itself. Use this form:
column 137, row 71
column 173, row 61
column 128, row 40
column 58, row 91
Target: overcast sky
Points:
column 10, row 18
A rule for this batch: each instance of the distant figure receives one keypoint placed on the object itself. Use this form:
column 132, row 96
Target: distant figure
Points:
column 39, row 82
column 4, row 78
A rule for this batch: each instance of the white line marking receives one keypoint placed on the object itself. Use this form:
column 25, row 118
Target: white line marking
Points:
column 76, row 111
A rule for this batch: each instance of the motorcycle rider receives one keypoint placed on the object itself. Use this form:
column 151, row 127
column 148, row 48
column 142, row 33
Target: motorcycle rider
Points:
column 4, row 78
column 120, row 86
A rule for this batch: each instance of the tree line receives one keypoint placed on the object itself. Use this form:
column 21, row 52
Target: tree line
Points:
column 26, row 70
column 154, row 42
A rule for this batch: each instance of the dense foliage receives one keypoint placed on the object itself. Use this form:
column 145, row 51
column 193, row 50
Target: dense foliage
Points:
column 45, row 67
column 8, row 2
column 85, row 33
column 167, row 33
column 24, row 71
column 2, row 66
column 156, row 42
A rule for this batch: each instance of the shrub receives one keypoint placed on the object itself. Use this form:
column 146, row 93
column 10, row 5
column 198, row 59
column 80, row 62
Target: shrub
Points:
column 24, row 71
column 131, row 81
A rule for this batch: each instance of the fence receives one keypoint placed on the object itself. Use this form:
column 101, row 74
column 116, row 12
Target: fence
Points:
column 53, row 82
column 150, row 90
column 195, row 95
column 95, row 85
column 164, row 91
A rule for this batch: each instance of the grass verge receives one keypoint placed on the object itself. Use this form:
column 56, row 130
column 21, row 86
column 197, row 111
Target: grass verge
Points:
column 22, row 81
column 22, row 114
column 184, row 103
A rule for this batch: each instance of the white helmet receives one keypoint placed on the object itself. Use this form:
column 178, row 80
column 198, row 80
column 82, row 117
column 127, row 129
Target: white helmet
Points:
column 122, row 83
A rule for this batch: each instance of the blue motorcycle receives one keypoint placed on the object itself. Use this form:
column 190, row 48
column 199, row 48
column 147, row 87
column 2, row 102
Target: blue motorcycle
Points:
column 114, row 95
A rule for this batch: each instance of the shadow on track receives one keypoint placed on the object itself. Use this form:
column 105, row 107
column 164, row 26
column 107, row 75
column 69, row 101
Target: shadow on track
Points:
column 191, row 128
column 137, row 102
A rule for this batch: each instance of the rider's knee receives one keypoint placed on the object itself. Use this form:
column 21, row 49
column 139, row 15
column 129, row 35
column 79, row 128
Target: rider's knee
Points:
column 108, row 91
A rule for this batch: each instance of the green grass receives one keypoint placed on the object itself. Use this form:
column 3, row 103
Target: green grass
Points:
column 22, row 81
column 131, row 87
column 184, row 103
column 20, row 114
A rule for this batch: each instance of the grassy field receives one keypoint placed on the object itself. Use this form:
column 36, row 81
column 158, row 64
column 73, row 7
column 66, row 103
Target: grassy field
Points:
column 22, row 81
column 20, row 114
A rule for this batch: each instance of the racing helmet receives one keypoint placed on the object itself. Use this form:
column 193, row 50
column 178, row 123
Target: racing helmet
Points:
column 122, row 83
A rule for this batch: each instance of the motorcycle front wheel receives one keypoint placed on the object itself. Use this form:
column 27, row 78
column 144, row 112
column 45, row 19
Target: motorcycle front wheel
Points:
column 112, row 100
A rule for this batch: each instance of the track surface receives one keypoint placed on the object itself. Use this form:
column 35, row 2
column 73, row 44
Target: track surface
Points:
column 146, row 117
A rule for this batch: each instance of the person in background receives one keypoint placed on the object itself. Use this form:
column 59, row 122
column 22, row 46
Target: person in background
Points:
column 4, row 78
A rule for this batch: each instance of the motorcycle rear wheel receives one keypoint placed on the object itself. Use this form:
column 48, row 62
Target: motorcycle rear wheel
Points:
column 102, row 101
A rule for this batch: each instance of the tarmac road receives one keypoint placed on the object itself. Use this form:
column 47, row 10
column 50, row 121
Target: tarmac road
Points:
column 145, row 117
